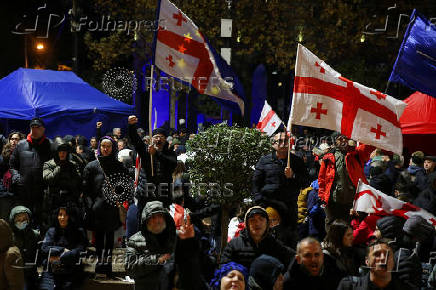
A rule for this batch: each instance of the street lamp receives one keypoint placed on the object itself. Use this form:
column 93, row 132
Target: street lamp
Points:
column 40, row 46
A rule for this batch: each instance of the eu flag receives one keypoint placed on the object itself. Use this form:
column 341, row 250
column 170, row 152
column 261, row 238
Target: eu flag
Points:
column 415, row 66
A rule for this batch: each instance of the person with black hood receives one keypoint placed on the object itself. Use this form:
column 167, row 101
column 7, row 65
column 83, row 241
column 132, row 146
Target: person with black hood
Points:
column 266, row 273
column 61, row 250
column 254, row 241
column 276, row 185
column 62, row 177
column 105, row 215
column 11, row 262
column 26, row 166
column 150, row 249
column 164, row 163
column 27, row 240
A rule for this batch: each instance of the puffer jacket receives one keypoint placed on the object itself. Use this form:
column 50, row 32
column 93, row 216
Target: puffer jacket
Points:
column 271, row 185
column 244, row 250
column 26, row 166
column 63, row 180
column 11, row 262
column 106, row 216
column 144, row 249
column 27, row 240
column 354, row 162
column 302, row 204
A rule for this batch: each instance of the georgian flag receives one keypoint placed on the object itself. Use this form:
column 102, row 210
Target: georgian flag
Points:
column 371, row 200
column 182, row 52
column 269, row 121
column 324, row 99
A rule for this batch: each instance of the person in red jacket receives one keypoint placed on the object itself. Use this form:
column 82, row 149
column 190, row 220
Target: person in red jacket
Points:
column 340, row 171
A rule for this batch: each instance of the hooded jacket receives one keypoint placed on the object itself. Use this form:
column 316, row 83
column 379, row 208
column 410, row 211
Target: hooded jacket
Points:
column 243, row 250
column 63, row 178
column 26, row 240
column 11, row 273
column 145, row 248
column 427, row 198
column 106, row 216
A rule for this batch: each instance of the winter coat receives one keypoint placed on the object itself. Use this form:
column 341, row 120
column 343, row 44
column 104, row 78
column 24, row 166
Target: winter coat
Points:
column 55, row 242
column 26, row 166
column 364, row 283
column 64, row 181
column 243, row 250
column 271, row 185
column 297, row 278
column 144, row 249
column 11, row 262
column 316, row 214
column 27, row 240
column 419, row 179
column 164, row 163
column 343, row 264
column 354, row 162
column 105, row 215
column 427, row 198
column 302, row 205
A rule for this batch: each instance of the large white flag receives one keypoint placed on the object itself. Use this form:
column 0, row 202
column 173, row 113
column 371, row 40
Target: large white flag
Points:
column 182, row 52
column 371, row 200
column 322, row 98
column 269, row 121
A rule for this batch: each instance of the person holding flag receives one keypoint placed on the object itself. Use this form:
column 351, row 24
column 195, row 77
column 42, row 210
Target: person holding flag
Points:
column 322, row 98
column 277, row 185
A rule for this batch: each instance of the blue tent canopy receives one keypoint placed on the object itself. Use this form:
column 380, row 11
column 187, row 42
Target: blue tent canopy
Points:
column 66, row 103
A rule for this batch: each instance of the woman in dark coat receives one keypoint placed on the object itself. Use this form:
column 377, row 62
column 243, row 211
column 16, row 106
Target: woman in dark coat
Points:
column 105, row 215
column 61, row 249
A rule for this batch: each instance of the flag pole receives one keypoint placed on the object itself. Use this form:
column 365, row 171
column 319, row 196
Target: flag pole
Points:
column 289, row 145
column 150, row 110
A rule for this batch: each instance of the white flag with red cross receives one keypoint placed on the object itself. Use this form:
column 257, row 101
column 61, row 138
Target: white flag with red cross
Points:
column 371, row 200
column 182, row 52
column 269, row 121
column 324, row 99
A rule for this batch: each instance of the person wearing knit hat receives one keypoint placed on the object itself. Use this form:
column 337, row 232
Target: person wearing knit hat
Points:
column 266, row 274
column 418, row 228
column 254, row 241
column 230, row 276
column 390, row 227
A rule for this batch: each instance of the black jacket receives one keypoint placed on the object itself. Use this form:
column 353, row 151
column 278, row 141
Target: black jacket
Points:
column 26, row 165
column 106, row 215
column 243, row 250
column 297, row 278
column 63, row 180
column 271, row 185
column 363, row 283
column 164, row 163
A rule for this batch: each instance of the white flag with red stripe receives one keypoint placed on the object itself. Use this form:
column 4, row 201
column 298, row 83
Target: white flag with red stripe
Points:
column 182, row 52
column 179, row 214
column 371, row 200
column 322, row 98
column 269, row 121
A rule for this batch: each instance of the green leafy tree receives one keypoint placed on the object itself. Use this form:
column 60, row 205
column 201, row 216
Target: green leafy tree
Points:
column 221, row 165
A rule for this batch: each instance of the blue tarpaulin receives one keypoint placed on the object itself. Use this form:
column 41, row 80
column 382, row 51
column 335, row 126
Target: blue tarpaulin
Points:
column 66, row 103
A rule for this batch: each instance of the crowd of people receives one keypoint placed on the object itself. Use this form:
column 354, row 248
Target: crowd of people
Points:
column 298, row 230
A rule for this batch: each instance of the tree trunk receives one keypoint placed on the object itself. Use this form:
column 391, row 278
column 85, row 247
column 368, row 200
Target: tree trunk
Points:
column 225, row 212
